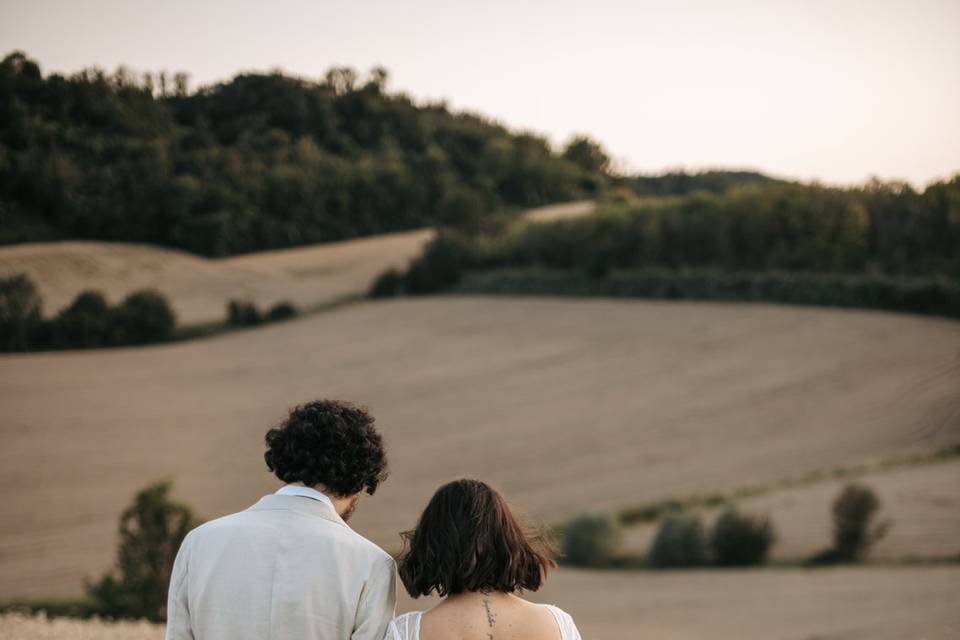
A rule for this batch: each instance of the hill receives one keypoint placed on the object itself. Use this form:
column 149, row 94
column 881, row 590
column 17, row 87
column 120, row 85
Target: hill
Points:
column 199, row 288
column 259, row 162
column 566, row 405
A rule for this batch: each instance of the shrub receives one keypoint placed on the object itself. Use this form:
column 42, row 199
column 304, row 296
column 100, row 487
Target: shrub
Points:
column 929, row 295
column 440, row 266
column 853, row 511
column 86, row 323
column 143, row 317
column 243, row 314
column 281, row 311
column 592, row 540
column 740, row 540
column 679, row 542
column 21, row 319
column 388, row 284
column 151, row 531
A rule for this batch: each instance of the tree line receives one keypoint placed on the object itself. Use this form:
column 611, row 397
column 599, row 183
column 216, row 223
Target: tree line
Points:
column 258, row 162
column 880, row 245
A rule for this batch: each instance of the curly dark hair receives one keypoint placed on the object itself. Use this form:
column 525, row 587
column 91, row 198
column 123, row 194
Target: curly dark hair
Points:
column 468, row 539
column 331, row 443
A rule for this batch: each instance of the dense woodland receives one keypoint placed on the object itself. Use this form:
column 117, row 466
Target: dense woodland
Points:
column 267, row 160
column 880, row 246
column 261, row 161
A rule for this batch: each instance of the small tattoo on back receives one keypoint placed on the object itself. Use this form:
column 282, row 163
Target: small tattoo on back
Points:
column 491, row 618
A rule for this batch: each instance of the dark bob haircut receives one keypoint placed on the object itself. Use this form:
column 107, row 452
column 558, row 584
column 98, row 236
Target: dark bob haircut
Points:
column 467, row 539
column 330, row 443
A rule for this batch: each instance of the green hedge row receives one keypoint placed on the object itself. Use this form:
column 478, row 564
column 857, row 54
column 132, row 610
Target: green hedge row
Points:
column 933, row 295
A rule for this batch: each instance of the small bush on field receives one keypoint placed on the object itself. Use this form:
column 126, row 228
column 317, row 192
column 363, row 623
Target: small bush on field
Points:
column 592, row 540
column 441, row 265
column 241, row 313
column 281, row 311
column 151, row 531
column 679, row 542
column 21, row 319
column 740, row 540
column 388, row 284
column 86, row 323
column 144, row 317
column 854, row 532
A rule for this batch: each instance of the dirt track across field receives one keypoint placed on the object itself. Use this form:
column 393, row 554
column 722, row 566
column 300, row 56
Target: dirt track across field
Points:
column 566, row 405
column 199, row 288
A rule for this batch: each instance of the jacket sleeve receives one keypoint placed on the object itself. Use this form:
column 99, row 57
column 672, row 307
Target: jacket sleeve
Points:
column 178, row 612
column 378, row 602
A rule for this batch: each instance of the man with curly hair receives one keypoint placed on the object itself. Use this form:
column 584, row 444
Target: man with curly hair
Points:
column 289, row 567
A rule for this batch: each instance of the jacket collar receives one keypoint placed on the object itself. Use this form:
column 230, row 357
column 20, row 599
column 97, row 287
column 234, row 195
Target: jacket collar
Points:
column 300, row 504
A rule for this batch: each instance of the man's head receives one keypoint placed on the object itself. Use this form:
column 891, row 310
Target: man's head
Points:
column 331, row 446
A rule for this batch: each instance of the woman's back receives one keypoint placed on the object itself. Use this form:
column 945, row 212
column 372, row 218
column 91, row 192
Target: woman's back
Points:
column 480, row 616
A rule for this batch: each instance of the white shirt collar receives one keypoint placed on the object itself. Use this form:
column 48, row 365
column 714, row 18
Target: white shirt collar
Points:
column 306, row 492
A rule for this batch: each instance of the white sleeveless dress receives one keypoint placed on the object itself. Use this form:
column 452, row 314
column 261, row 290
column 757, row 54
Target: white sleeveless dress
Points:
column 407, row 626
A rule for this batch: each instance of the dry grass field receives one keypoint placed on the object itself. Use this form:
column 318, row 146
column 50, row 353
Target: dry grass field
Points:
column 25, row 627
column 767, row 604
column 199, row 288
column 566, row 405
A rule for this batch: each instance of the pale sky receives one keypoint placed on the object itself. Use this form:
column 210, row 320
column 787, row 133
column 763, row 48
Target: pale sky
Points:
column 834, row 90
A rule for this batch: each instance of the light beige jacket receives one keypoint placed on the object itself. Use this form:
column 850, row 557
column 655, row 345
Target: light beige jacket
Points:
column 287, row 568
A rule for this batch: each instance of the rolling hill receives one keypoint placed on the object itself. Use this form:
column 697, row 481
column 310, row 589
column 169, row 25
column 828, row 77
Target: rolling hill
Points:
column 566, row 405
column 199, row 288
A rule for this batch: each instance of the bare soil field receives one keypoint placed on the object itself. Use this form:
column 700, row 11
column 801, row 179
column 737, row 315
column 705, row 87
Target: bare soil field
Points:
column 199, row 288
column 864, row 603
column 566, row 405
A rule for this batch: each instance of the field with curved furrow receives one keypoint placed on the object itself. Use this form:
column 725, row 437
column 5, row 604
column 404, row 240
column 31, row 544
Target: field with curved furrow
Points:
column 566, row 405
column 199, row 288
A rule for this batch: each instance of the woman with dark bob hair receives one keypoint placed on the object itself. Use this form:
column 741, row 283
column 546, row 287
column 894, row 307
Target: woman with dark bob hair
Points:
column 470, row 549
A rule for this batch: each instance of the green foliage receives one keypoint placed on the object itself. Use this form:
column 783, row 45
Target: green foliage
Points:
column 144, row 317
column 241, row 313
column 681, row 183
column 739, row 539
column 21, row 317
column 934, row 295
column 592, row 540
column 86, row 323
column 281, row 311
column 388, row 284
column 679, row 542
column 853, row 530
column 151, row 531
column 440, row 266
column 882, row 246
column 259, row 162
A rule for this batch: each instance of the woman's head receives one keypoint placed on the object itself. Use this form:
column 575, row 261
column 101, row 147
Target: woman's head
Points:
column 467, row 539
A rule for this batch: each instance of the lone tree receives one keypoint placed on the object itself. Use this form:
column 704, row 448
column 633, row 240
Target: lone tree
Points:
column 592, row 540
column 144, row 317
column 151, row 531
column 680, row 541
column 20, row 313
column 853, row 534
